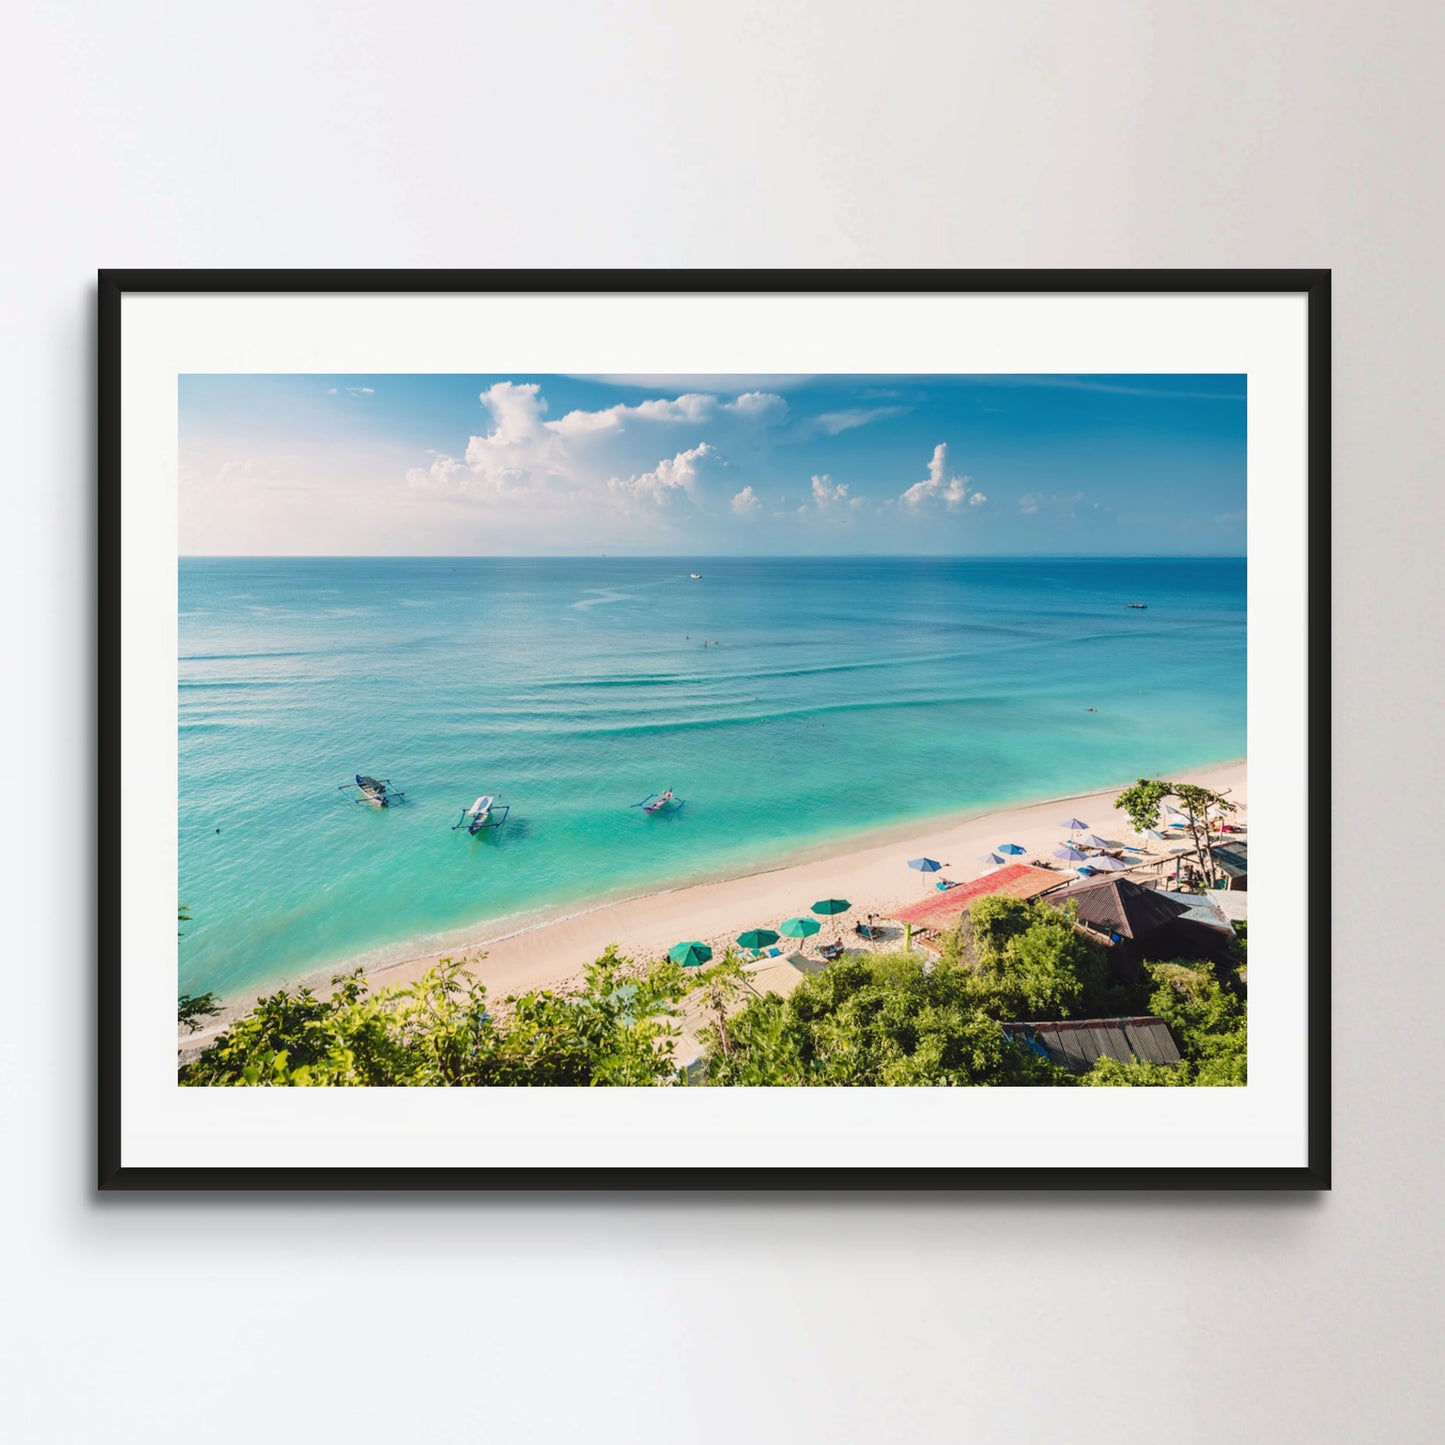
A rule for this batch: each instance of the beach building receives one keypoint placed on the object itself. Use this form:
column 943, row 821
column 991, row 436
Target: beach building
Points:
column 944, row 908
column 1138, row 924
column 1077, row 1043
column 1232, row 859
column 1233, row 903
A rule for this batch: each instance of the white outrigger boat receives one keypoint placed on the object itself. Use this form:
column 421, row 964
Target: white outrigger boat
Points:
column 378, row 792
column 484, row 813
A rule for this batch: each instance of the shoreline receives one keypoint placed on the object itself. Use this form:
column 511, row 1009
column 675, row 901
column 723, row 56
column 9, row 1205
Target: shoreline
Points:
column 553, row 948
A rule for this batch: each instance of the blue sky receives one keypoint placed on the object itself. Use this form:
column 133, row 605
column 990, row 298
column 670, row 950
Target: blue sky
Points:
column 707, row 465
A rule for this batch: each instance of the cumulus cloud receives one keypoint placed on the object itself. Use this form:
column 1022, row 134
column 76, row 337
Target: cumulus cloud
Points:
column 747, row 502
column 831, row 498
column 600, row 457
column 669, row 479
column 939, row 487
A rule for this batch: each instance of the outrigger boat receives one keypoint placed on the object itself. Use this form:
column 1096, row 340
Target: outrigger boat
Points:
column 376, row 791
column 484, row 813
column 660, row 803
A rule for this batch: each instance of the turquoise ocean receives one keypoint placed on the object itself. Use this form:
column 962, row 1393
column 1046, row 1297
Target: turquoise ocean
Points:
column 790, row 703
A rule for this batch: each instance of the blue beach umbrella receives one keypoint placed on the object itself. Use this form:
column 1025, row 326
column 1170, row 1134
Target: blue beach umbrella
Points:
column 1069, row 855
column 1073, row 825
column 1012, row 848
column 992, row 859
column 925, row 865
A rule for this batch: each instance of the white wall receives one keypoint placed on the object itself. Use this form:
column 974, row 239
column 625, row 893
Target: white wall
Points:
column 1036, row 133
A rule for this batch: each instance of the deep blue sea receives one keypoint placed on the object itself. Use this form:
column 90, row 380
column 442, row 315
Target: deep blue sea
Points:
column 789, row 702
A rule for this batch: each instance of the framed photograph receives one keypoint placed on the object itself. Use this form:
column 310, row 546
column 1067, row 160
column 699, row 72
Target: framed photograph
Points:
column 727, row 730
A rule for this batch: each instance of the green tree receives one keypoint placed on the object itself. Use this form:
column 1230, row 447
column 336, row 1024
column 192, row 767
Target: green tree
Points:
column 877, row 1020
column 618, row 1029
column 1143, row 801
column 1207, row 1019
column 1034, row 960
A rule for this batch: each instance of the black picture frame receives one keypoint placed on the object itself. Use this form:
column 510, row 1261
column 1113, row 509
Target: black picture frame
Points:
column 113, row 285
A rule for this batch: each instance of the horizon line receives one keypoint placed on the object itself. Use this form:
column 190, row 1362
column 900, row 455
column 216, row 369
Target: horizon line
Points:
column 704, row 556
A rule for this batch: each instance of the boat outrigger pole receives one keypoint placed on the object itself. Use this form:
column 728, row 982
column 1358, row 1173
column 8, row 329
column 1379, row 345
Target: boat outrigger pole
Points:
column 376, row 791
column 486, row 812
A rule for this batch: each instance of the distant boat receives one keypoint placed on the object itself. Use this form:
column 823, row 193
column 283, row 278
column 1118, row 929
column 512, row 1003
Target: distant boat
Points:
column 696, row 576
column 484, row 813
column 660, row 803
column 1138, row 604
column 376, row 791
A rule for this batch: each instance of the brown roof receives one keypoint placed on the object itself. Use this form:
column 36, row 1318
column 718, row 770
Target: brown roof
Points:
column 1014, row 880
column 1076, row 1043
column 1119, row 905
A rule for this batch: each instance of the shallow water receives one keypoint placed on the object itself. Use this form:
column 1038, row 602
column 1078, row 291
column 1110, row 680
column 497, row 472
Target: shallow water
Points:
column 842, row 694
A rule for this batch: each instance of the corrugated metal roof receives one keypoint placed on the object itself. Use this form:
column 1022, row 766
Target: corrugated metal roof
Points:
column 1076, row 1043
column 1119, row 905
column 1200, row 910
column 1015, row 880
column 1233, row 903
column 1233, row 858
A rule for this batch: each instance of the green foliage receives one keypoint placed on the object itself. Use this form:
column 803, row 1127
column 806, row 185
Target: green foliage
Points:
column 439, row 1031
column 1208, row 1021
column 1033, row 960
column 192, row 1009
column 876, row 1020
column 1143, row 801
column 1137, row 1073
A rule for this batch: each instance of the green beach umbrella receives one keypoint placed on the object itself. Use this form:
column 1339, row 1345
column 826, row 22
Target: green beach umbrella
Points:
column 828, row 907
column 756, row 938
column 800, row 927
column 689, row 955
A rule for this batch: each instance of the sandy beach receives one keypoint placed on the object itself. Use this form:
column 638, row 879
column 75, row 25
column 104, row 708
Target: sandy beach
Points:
column 874, row 878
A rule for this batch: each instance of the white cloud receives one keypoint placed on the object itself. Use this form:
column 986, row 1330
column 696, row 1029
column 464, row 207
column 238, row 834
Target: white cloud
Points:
column 518, row 456
column 746, row 503
column 1036, row 502
column 831, row 498
column 602, row 457
column 351, row 390
column 667, row 480
column 692, row 406
column 833, row 422
column 976, row 499
column 939, row 486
